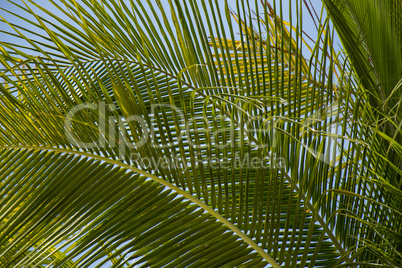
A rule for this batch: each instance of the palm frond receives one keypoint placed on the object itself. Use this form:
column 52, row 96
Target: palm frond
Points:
column 170, row 93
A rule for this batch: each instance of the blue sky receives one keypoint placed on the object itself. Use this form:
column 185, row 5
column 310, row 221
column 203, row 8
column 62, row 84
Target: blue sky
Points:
column 308, row 25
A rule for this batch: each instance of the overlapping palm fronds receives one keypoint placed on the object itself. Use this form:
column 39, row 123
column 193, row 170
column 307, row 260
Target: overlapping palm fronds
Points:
column 193, row 133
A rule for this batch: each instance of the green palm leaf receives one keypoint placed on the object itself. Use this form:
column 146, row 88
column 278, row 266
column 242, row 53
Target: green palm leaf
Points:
column 154, row 134
column 93, row 211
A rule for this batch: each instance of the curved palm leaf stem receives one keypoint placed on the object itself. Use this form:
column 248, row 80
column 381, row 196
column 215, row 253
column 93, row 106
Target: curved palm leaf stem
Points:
column 249, row 241
column 227, row 223
column 317, row 216
column 324, row 225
